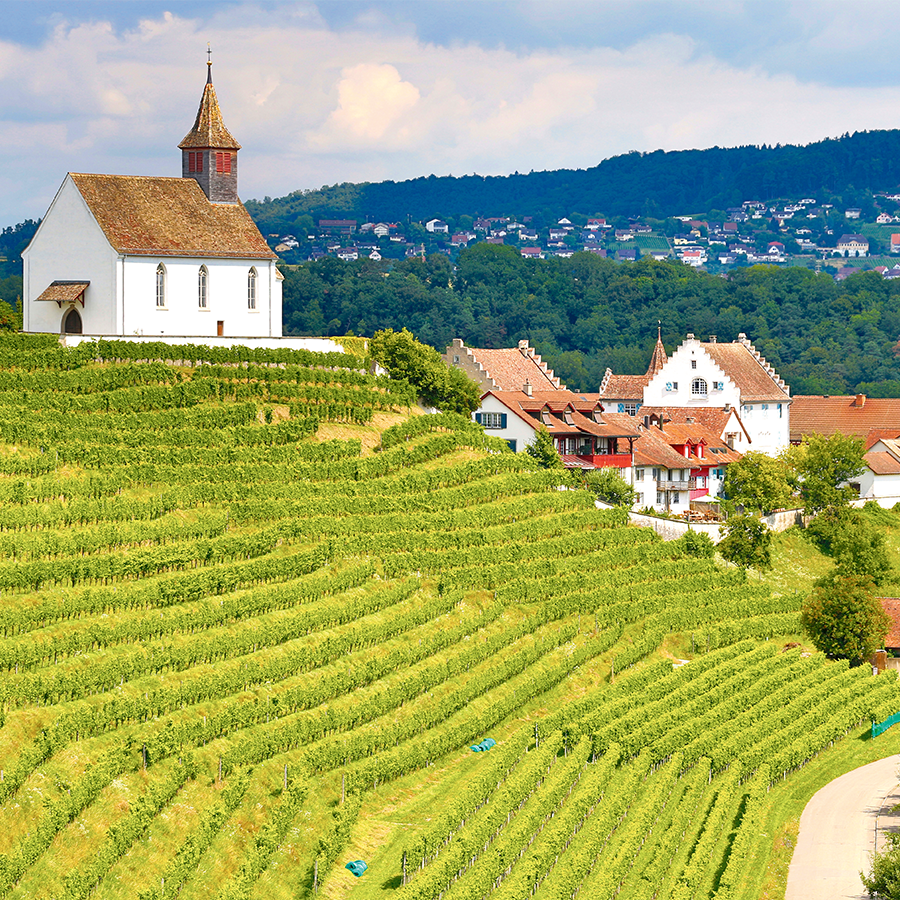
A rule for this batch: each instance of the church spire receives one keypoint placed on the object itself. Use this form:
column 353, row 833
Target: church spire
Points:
column 208, row 150
column 659, row 358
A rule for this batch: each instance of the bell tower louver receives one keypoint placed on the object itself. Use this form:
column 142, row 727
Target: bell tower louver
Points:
column 209, row 152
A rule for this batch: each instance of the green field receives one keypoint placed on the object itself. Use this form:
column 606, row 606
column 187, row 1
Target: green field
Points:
column 256, row 611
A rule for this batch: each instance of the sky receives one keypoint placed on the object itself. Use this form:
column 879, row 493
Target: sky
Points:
column 349, row 90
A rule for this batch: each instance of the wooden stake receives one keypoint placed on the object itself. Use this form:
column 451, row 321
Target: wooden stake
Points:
column 144, row 756
column 343, row 787
column 285, row 776
column 316, row 876
column 220, row 770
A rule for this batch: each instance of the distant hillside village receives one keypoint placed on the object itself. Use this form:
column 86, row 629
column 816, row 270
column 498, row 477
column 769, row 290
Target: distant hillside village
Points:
column 672, row 432
column 789, row 232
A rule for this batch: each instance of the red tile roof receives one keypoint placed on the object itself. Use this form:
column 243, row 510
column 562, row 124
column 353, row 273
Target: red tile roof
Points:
column 857, row 415
column 714, row 418
column 623, row 387
column 145, row 216
column 882, row 463
column 511, row 368
column 652, row 450
column 891, row 605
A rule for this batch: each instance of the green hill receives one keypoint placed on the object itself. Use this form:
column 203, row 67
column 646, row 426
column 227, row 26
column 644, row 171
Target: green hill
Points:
column 657, row 184
column 255, row 614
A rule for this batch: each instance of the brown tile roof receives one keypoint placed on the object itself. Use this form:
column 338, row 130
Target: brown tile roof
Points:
column 882, row 463
column 623, row 387
column 713, row 418
column 209, row 129
column 63, row 291
column 551, row 407
column 743, row 365
column 857, row 415
column 880, row 434
column 891, row 605
column 650, row 449
column 659, row 358
column 144, row 216
column 511, row 368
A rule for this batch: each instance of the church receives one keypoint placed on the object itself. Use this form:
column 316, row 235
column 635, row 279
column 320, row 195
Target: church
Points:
column 165, row 258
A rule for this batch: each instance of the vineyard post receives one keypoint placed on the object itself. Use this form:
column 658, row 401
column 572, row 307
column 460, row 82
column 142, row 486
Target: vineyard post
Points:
column 285, row 776
column 144, row 756
column 404, row 867
column 316, row 876
column 220, row 770
column 537, row 738
column 343, row 787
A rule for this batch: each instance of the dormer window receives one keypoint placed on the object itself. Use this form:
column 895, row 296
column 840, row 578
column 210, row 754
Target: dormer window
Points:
column 223, row 162
column 195, row 161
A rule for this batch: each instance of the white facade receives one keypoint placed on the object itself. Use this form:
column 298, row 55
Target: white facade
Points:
column 498, row 420
column 691, row 378
column 121, row 298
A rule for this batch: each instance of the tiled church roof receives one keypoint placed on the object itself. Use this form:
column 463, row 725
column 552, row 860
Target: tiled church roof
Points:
column 146, row 216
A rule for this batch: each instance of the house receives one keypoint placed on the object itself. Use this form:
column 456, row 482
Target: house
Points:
column 584, row 436
column 344, row 227
column 884, row 218
column 695, row 257
column 436, row 226
column 708, row 375
column 675, row 464
column 120, row 255
column 348, row 254
column 853, row 245
column 503, row 369
column 895, row 243
column 382, row 229
column 627, row 254
column 624, row 234
column 595, row 224
column 776, row 248
column 722, row 421
column 852, row 213
column 880, row 481
column 532, row 253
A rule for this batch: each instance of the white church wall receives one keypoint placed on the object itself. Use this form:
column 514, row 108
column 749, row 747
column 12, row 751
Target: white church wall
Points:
column 673, row 384
column 70, row 246
column 227, row 298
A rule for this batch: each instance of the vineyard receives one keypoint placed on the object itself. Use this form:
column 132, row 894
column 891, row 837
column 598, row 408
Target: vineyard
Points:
column 247, row 595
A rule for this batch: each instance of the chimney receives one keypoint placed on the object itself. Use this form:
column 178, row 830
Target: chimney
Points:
column 712, row 338
column 690, row 335
column 860, row 401
column 523, row 348
column 527, row 388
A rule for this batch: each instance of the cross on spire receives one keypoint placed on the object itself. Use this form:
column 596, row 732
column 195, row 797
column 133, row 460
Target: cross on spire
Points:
column 208, row 64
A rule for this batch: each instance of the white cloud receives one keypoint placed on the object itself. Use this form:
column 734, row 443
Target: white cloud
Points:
column 314, row 104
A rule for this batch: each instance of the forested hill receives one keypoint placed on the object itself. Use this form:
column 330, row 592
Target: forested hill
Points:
column 586, row 313
column 657, row 184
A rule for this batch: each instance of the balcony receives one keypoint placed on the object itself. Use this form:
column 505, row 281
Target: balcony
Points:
column 674, row 485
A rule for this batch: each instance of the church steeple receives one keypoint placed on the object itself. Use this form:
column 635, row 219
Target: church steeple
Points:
column 208, row 151
column 659, row 358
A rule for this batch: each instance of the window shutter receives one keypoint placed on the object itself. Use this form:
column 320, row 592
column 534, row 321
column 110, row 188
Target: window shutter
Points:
column 503, row 420
column 478, row 418
column 668, row 385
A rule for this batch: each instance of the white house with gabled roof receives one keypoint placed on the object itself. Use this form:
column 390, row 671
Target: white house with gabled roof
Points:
column 125, row 256
column 709, row 374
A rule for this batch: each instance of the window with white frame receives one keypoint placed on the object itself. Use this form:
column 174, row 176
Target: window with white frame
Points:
column 660, row 498
column 160, row 286
column 493, row 420
column 748, row 408
column 252, row 278
column 675, row 498
column 203, row 288
column 638, row 474
column 698, row 387
column 693, row 363
column 639, row 499
column 718, row 385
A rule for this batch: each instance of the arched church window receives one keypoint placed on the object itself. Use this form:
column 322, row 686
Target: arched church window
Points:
column 251, row 289
column 203, row 288
column 160, row 286
column 698, row 386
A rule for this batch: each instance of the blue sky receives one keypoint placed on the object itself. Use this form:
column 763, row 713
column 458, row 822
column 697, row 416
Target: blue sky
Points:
column 349, row 90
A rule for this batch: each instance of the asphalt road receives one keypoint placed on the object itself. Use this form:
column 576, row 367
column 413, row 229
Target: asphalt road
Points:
column 838, row 832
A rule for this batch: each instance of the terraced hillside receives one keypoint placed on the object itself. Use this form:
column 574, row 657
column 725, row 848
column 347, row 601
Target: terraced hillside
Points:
column 243, row 593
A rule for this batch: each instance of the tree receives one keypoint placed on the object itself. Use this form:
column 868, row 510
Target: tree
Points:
column 610, row 487
column 439, row 385
column 884, row 879
column 844, row 618
column 543, row 450
column 824, row 465
column 747, row 542
column 758, row 482
column 853, row 541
